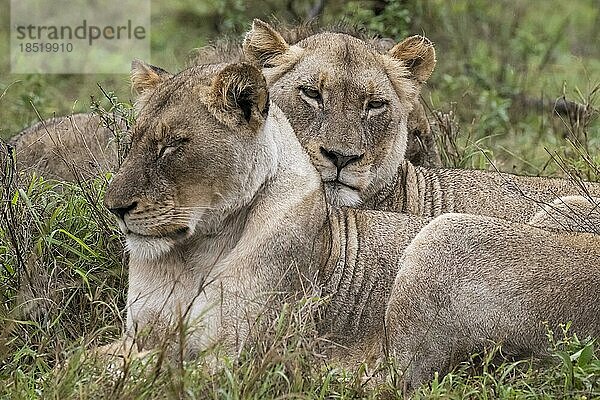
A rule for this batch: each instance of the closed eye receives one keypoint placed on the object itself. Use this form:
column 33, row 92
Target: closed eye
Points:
column 171, row 146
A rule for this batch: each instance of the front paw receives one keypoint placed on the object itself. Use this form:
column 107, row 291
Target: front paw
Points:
column 121, row 348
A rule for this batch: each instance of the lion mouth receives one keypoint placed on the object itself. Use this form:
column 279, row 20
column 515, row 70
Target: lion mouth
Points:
column 337, row 184
column 177, row 234
column 340, row 194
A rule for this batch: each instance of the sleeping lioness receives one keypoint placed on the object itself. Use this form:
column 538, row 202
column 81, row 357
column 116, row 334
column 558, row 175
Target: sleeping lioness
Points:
column 69, row 147
column 224, row 214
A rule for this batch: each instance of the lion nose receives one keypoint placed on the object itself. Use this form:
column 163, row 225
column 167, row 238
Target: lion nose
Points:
column 120, row 211
column 340, row 160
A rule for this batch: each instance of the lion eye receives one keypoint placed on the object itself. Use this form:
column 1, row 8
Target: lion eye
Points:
column 311, row 93
column 171, row 147
column 166, row 150
column 375, row 104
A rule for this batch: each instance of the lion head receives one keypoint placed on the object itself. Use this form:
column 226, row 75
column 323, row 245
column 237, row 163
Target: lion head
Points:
column 347, row 100
column 198, row 154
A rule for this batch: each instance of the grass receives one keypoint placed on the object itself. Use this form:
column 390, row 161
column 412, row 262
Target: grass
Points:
column 501, row 67
column 45, row 349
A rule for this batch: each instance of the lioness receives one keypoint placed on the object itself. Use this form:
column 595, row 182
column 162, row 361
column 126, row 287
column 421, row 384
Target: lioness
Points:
column 65, row 147
column 421, row 148
column 467, row 282
column 327, row 82
column 224, row 214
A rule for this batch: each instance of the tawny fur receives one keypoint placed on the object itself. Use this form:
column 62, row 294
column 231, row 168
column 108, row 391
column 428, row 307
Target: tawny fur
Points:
column 421, row 146
column 433, row 191
column 346, row 75
column 64, row 147
column 469, row 282
column 346, row 70
column 570, row 213
column 225, row 219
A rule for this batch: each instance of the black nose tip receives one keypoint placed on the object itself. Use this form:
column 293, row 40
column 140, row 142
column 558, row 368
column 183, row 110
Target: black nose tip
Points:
column 340, row 160
column 121, row 211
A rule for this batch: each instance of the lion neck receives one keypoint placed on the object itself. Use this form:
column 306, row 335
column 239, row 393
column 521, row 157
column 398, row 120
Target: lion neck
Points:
column 395, row 195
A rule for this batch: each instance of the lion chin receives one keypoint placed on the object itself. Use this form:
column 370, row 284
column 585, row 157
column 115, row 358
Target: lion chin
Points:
column 340, row 195
column 148, row 248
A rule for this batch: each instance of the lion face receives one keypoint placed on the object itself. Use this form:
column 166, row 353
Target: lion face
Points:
column 192, row 163
column 347, row 102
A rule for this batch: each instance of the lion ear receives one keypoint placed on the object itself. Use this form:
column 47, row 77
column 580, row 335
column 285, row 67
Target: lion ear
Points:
column 263, row 43
column 241, row 88
column 146, row 77
column 417, row 54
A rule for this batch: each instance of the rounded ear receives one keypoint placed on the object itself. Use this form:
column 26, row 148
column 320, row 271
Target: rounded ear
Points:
column 145, row 77
column 417, row 54
column 263, row 43
column 241, row 87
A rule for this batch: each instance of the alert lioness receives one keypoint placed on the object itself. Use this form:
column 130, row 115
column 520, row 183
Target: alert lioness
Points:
column 349, row 103
column 223, row 214
column 421, row 148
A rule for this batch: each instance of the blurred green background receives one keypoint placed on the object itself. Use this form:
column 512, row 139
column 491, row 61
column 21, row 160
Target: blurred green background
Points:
column 501, row 65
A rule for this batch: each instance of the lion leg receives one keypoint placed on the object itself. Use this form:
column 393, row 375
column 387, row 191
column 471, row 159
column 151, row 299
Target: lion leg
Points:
column 416, row 332
column 419, row 357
